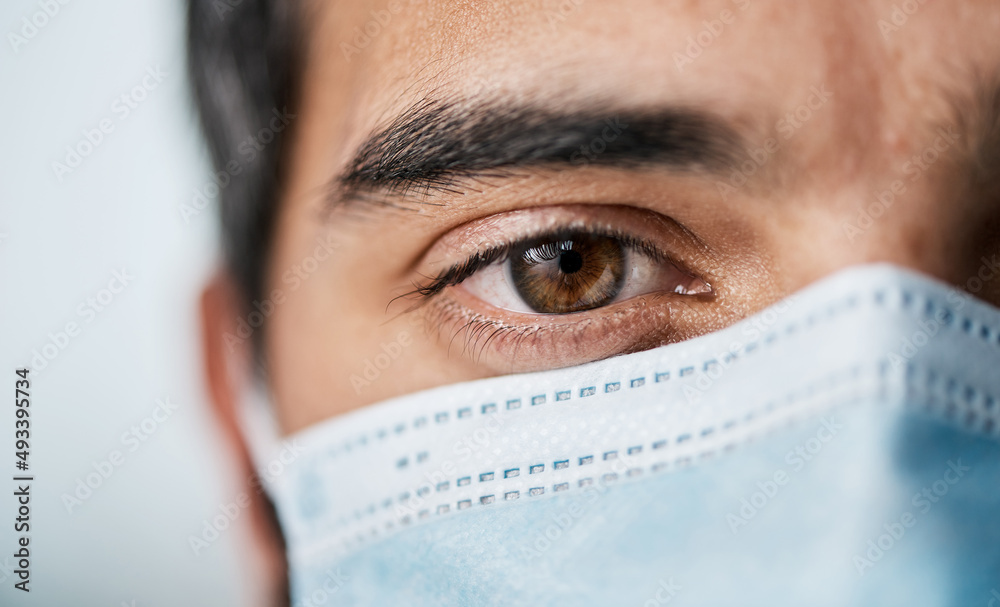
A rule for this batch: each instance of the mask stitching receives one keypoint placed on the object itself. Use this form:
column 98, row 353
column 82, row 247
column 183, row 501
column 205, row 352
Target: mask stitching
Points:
column 966, row 324
column 969, row 396
column 978, row 405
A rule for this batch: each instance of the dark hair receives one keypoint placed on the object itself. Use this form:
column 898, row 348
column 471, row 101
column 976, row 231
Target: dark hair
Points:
column 243, row 61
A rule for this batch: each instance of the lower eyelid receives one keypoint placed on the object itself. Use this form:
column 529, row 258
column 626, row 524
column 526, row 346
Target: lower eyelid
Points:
column 514, row 342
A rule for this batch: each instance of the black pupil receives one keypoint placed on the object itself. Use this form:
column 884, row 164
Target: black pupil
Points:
column 570, row 262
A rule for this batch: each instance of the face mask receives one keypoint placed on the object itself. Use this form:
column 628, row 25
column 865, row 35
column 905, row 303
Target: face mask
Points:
column 839, row 448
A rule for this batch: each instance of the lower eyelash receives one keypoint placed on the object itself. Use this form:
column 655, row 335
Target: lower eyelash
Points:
column 479, row 332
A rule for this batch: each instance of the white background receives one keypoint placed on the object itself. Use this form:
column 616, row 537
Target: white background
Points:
column 60, row 242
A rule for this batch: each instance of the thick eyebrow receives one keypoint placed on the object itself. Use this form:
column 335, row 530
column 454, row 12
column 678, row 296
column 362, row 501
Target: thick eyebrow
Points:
column 434, row 145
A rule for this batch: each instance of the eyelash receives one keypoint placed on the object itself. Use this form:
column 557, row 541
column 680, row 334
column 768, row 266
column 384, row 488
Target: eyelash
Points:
column 479, row 331
column 501, row 253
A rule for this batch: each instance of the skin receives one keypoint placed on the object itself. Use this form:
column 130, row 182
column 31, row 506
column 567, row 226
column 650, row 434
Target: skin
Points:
column 781, row 231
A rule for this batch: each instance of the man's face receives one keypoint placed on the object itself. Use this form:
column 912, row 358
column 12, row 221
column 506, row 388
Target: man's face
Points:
column 606, row 177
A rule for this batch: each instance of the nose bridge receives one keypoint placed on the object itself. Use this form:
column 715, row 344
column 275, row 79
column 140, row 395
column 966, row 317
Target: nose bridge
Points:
column 916, row 239
column 932, row 224
column 925, row 219
column 924, row 194
column 912, row 199
column 895, row 157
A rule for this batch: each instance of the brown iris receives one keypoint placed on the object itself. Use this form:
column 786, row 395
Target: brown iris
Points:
column 580, row 272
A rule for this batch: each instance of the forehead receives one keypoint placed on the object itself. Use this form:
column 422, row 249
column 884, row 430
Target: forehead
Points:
column 896, row 69
column 644, row 49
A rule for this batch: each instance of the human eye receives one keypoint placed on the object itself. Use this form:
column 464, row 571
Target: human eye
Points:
column 575, row 270
column 555, row 286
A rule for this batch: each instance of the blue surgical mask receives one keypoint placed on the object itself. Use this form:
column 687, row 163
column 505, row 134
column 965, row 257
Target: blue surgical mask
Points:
column 839, row 448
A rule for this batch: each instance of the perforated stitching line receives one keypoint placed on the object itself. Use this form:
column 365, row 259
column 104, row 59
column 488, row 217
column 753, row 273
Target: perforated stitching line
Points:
column 788, row 400
column 444, row 508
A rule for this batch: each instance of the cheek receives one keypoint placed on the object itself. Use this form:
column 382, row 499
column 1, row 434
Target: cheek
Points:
column 423, row 364
column 303, row 333
column 329, row 352
column 301, row 358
